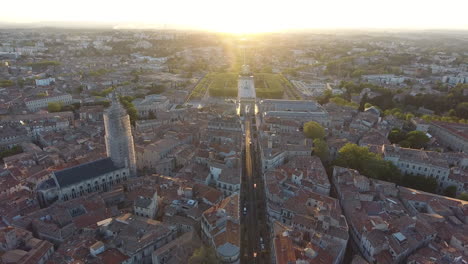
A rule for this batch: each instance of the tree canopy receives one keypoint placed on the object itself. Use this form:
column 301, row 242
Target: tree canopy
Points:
column 54, row 107
column 10, row 152
column 414, row 139
column 450, row 191
column 396, row 136
column 126, row 101
column 204, row 255
column 6, row 83
column 463, row 196
column 462, row 110
column 373, row 166
column 321, row 149
column 314, row 130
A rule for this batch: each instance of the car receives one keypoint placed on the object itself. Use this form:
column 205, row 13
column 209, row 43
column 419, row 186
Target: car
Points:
column 255, row 185
column 262, row 245
column 244, row 211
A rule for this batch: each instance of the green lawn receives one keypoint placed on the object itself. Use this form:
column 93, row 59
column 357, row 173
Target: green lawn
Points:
column 200, row 89
column 223, row 84
column 270, row 85
column 267, row 85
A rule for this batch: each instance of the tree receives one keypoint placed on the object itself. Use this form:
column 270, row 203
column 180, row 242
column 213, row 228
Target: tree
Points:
column 321, row 149
column 54, row 107
column 462, row 110
column 373, row 166
column 367, row 163
column 426, row 184
column 126, row 101
column 354, row 157
column 396, row 136
column 450, row 191
column 6, row 83
column 409, row 116
column 417, row 139
column 204, row 255
column 10, row 152
column 452, row 112
column 314, row 130
column 463, row 196
column 325, row 98
column 362, row 104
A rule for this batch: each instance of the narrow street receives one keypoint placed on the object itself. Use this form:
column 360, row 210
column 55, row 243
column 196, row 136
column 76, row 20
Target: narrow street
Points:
column 254, row 233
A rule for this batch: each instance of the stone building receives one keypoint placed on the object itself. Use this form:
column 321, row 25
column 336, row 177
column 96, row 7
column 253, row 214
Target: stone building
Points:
column 19, row 246
column 99, row 175
column 146, row 206
column 119, row 139
column 74, row 182
column 454, row 136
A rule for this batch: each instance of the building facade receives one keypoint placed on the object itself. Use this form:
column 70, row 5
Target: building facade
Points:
column 36, row 104
column 119, row 138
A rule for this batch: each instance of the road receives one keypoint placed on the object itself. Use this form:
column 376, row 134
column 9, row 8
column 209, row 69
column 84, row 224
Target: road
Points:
column 254, row 221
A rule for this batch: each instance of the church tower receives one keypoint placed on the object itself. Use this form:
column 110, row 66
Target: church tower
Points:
column 119, row 139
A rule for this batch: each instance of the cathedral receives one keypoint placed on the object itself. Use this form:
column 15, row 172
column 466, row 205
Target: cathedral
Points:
column 98, row 175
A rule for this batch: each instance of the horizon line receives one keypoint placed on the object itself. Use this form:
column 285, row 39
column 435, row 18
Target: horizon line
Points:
column 172, row 26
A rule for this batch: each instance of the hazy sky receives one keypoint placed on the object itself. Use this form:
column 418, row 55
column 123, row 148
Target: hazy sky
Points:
column 248, row 15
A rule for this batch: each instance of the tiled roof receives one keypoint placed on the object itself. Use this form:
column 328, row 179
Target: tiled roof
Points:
column 84, row 172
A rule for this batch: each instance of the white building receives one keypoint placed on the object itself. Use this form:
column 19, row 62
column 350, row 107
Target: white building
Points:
column 304, row 110
column 451, row 135
column 151, row 103
column 418, row 162
column 384, row 79
column 224, row 178
column 45, row 82
column 42, row 102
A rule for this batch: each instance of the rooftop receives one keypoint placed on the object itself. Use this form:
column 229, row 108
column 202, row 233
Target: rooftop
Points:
column 84, row 172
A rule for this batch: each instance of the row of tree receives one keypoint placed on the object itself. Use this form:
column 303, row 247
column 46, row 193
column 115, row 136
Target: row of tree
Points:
column 54, row 107
column 368, row 163
column 316, row 132
column 126, row 102
column 10, row 152
column 373, row 166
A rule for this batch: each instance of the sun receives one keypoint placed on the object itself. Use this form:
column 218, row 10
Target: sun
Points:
column 243, row 26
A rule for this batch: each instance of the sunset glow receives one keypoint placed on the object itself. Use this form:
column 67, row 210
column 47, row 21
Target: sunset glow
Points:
column 245, row 16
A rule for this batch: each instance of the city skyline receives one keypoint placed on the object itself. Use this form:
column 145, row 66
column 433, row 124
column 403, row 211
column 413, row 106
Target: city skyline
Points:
column 243, row 16
column 234, row 132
